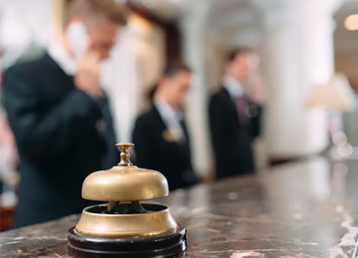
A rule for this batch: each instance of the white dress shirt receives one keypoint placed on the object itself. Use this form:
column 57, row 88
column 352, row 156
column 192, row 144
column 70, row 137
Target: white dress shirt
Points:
column 60, row 55
column 172, row 119
column 233, row 87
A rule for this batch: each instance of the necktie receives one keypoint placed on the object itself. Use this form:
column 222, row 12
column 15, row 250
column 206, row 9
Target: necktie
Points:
column 101, row 125
column 241, row 110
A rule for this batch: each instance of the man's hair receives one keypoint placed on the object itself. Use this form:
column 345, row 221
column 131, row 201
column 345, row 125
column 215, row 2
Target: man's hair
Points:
column 236, row 52
column 92, row 9
column 172, row 68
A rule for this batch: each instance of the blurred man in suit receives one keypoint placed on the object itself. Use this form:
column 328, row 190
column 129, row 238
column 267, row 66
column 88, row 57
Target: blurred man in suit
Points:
column 160, row 135
column 235, row 114
column 60, row 116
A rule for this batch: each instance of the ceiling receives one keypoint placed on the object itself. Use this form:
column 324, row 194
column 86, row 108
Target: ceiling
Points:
column 228, row 17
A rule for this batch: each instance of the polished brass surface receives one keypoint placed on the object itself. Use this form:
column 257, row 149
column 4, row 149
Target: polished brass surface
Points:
column 119, row 225
column 125, row 182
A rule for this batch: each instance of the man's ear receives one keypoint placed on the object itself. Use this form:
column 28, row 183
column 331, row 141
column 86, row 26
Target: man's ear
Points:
column 162, row 81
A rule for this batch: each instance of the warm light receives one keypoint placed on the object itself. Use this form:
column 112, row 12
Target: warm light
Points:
column 345, row 150
column 351, row 22
column 339, row 138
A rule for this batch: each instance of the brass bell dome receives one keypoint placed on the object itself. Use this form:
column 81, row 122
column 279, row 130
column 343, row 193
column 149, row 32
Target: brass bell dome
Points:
column 125, row 182
column 123, row 186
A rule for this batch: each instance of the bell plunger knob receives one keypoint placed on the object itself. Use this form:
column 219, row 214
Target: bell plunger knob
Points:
column 125, row 156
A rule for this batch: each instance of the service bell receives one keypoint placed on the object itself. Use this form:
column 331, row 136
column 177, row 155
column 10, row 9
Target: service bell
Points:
column 125, row 227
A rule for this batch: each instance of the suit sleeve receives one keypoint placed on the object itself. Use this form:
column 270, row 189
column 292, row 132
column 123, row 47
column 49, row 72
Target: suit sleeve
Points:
column 45, row 134
column 142, row 145
column 218, row 132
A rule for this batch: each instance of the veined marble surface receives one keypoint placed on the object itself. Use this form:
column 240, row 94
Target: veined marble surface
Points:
column 304, row 209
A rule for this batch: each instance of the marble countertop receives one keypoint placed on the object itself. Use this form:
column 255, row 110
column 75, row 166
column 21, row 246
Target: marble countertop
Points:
column 304, row 209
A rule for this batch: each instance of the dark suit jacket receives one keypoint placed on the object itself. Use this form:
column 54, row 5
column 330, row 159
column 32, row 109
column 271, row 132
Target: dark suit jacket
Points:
column 153, row 151
column 55, row 128
column 232, row 141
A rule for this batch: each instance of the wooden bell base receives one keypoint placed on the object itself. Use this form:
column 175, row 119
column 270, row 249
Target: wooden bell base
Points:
column 163, row 245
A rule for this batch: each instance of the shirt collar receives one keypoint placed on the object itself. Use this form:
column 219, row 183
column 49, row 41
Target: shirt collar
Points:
column 60, row 55
column 233, row 87
column 167, row 112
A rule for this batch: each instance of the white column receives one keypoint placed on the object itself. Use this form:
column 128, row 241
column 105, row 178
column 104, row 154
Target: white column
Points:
column 135, row 65
column 194, row 46
column 298, row 54
column 121, row 82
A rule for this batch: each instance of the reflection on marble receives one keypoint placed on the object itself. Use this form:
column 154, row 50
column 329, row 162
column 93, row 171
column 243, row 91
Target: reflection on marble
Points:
column 305, row 209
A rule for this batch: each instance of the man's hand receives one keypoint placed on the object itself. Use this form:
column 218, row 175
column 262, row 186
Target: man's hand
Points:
column 257, row 91
column 88, row 72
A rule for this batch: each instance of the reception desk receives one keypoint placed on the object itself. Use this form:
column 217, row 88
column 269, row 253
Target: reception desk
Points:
column 304, row 209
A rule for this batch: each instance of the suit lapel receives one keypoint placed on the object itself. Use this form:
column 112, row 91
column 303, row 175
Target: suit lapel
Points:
column 230, row 102
column 159, row 119
column 227, row 97
column 166, row 135
column 185, row 129
column 162, row 127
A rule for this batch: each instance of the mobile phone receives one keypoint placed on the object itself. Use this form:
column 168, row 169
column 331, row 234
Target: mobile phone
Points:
column 77, row 37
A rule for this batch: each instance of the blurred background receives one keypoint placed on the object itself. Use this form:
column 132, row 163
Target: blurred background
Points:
column 308, row 53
